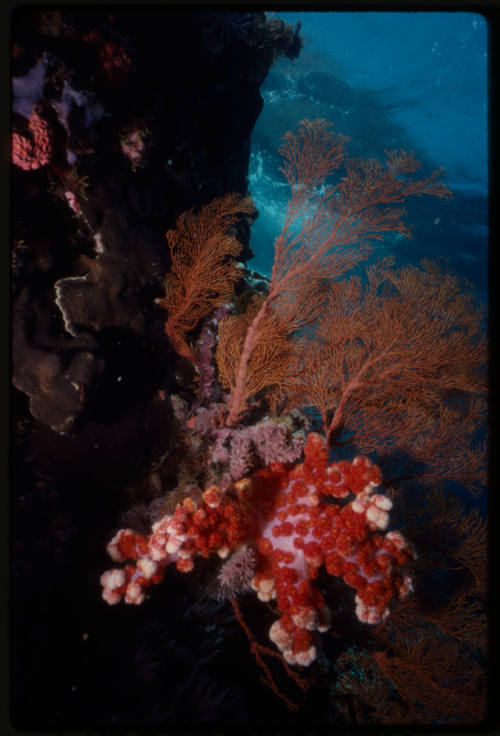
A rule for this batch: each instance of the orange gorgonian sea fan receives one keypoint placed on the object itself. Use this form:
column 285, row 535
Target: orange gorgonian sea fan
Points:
column 326, row 233
column 400, row 362
column 203, row 270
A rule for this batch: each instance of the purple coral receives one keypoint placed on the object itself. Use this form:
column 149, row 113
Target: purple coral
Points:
column 236, row 574
column 241, row 455
column 28, row 89
column 274, row 443
column 204, row 357
column 256, row 446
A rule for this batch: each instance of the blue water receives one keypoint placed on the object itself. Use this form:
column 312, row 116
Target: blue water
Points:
column 388, row 80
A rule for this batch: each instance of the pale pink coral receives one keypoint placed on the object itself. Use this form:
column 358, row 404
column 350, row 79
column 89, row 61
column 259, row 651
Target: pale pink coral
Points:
column 235, row 575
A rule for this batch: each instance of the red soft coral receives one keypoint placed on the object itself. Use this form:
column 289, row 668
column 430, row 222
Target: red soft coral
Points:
column 286, row 514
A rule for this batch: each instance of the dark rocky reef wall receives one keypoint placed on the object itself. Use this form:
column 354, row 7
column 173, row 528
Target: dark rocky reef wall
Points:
column 146, row 114
column 121, row 121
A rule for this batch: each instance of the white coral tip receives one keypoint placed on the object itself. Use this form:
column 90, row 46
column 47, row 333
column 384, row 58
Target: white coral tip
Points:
column 112, row 579
column 134, row 594
column 147, row 567
column 306, row 657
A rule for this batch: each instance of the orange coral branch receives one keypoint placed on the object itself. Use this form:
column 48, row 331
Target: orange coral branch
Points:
column 203, row 273
column 403, row 360
column 258, row 650
column 438, row 678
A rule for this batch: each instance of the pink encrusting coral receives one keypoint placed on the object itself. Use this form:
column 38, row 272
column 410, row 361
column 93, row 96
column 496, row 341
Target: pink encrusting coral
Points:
column 33, row 153
column 289, row 516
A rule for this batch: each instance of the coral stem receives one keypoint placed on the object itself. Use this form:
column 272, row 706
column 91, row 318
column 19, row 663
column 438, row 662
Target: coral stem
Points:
column 239, row 387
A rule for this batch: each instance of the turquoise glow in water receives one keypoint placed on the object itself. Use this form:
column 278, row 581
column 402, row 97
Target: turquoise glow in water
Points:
column 413, row 80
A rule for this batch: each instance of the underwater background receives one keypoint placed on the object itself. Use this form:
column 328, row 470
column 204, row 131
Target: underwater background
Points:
column 163, row 112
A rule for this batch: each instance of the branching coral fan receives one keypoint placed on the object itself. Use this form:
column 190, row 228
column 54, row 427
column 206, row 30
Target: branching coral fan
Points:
column 325, row 234
column 202, row 274
column 399, row 362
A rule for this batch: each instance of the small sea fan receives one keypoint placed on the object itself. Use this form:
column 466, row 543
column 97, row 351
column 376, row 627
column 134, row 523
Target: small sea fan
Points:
column 236, row 573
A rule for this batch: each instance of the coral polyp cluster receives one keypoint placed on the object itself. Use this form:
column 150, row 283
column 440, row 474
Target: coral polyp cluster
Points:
column 32, row 153
column 288, row 514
